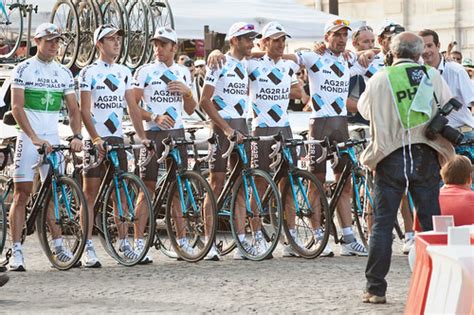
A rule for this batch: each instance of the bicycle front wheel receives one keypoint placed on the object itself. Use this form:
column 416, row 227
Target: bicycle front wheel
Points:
column 256, row 214
column 362, row 205
column 190, row 226
column 127, row 219
column 11, row 28
column 64, row 15
column 306, row 208
column 60, row 224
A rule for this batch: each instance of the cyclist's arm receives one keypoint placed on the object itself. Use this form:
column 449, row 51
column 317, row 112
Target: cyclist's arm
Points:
column 135, row 113
column 296, row 91
column 18, row 111
column 86, row 103
column 189, row 103
column 210, row 109
column 73, row 112
column 351, row 105
column 260, row 54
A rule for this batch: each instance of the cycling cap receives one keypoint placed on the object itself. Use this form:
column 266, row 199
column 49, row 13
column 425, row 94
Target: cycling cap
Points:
column 166, row 33
column 241, row 28
column 467, row 62
column 273, row 30
column 48, row 30
column 199, row 63
column 390, row 27
column 106, row 30
column 336, row 24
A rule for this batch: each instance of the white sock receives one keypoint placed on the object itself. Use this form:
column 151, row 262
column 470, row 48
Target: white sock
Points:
column 347, row 231
column 293, row 233
column 58, row 242
column 241, row 237
column 89, row 243
column 17, row 246
column 318, row 233
column 182, row 241
column 409, row 235
column 258, row 235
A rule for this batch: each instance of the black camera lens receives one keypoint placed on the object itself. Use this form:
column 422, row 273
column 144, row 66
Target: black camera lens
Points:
column 188, row 63
column 452, row 135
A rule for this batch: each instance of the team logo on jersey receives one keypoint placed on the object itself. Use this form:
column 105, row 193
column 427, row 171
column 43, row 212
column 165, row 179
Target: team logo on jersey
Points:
column 275, row 76
column 275, row 113
column 254, row 75
column 218, row 102
column 256, row 110
column 290, row 72
column 112, row 123
column 239, row 107
column 223, row 72
column 112, row 82
column 370, row 71
column 338, row 68
column 317, row 101
column 148, row 80
column 338, row 104
column 317, row 66
column 168, row 76
column 171, row 112
column 239, row 71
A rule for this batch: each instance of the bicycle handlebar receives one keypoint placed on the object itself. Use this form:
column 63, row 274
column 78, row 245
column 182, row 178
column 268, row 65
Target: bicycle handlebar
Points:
column 42, row 152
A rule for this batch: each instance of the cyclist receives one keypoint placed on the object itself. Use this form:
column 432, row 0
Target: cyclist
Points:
column 165, row 93
column 105, row 88
column 224, row 99
column 329, row 77
column 272, row 80
column 40, row 85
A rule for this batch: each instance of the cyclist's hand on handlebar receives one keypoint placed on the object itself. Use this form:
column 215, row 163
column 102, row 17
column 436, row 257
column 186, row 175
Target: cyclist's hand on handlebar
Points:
column 100, row 146
column 237, row 136
column 164, row 122
column 76, row 145
column 40, row 142
column 146, row 142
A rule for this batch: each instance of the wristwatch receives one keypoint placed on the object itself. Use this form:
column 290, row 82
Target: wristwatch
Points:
column 78, row 136
column 153, row 117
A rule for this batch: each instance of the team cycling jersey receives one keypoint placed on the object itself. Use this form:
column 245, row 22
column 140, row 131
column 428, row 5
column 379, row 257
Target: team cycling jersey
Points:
column 153, row 78
column 270, row 85
column 328, row 77
column 375, row 65
column 107, row 84
column 230, row 88
column 45, row 84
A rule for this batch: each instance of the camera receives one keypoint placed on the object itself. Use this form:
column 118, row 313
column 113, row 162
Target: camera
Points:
column 438, row 125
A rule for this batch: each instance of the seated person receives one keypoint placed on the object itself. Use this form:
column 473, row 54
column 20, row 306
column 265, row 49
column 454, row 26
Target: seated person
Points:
column 456, row 197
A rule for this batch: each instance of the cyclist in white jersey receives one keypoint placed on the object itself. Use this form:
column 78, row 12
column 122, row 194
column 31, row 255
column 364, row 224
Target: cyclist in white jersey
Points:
column 271, row 83
column 224, row 99
column 329, row 76
column 39, row 87
column 163, row 88
column 106, row 88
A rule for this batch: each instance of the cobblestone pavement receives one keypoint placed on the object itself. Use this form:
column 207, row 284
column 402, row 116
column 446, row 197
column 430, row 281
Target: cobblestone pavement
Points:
column 279, row 285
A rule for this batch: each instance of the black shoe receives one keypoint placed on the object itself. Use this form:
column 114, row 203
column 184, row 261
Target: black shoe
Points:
column 3, row 279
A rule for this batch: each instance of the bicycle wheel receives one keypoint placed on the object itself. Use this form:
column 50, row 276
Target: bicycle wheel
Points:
column 127, row 217
column 162, row 240
column 64, row 15
column 6, row 198
column 138, row 34
column 190, row 228
column 304, row 198
column 59, row 224
column 256, row 214
column 89, row 20
column 224, row 240
column 362, row 205
column 3, row 226
column 11, row 28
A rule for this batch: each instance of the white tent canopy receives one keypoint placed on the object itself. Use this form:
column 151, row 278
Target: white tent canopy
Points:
column 301, row 22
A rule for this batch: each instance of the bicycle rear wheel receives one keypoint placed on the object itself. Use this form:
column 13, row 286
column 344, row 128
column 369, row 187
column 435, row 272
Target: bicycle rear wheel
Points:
column 256, row 214
column 190, row 228
column 11, row 28
column 127, row 220
column 60, row 224
column 362, row 205
column 64, row 15
column 89, row 20
column 138, row 34
column 304, row 199
column 162, row 240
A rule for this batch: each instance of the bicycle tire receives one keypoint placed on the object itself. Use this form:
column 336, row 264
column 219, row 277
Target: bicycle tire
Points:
column 70, row 221
column 3, row 226
column 162, row 240
column 130, row 186
column 89, row 20
column 305, row 245
column 14, row 17
column 138, row 34
column 360, row 206
column 112, row 13
column 162, row 15
column 194, row 228
column 64, row 15
column 270, row 215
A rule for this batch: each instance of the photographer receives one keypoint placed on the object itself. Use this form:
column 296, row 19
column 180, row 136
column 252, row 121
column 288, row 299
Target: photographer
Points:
column 400, row 102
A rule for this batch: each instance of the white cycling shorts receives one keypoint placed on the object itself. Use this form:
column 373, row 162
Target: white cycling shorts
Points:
column 26, row 155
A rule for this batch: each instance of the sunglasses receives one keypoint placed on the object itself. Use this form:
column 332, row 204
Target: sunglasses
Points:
column 394, row 29
column 361, row 29
column 247, row 27
column 341, row 22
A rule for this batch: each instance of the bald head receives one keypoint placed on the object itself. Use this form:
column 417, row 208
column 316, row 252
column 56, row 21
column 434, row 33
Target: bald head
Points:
column 407, row 45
